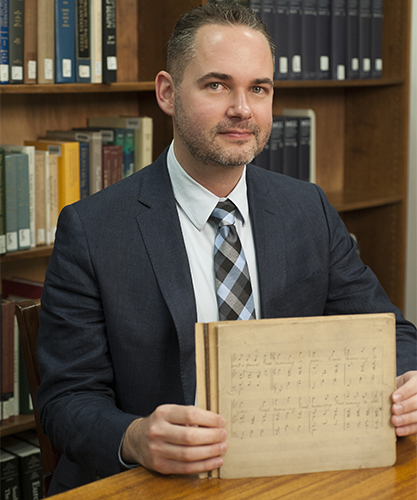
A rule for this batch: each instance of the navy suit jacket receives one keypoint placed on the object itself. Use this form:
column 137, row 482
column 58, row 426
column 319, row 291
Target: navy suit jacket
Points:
column 118, row 310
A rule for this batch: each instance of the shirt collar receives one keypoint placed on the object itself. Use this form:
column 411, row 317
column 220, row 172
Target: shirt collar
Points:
column 196, row 201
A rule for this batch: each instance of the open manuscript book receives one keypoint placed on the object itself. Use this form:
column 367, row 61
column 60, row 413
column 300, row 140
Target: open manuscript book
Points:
column 300, row 394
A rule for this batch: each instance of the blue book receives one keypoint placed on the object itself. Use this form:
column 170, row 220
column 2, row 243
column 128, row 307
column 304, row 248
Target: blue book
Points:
column 82, row 47
column 64, row 41
column 84, row 169
column 4, row 41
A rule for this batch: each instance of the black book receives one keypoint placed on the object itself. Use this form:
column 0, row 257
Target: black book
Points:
column 338, row 39
column 109, row 41
column 308, row 38
column 323, row 50
column 268, row 12
column 82, row 41
column 16, row 40
column 9, row 476
column 276, row 148
column 376, row 38
column 304, row 142
column 281, row 40
column 352, row 39
column 295, row 17
column 365, row 25
column 290, row 153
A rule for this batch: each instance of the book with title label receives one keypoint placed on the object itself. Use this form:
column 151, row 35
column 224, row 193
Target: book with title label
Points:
column 323, row 42
column 82, row 42
column 65, row 36
column 46, row 41
column 4, row 42
column 16, row 34
column 309, row 34
column 109, row 41
column 30, row 46
column 352, row 39
column 295, row 23
column 338, row 40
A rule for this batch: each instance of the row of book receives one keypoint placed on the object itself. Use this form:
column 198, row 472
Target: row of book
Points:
column 324, row 39
column 39, row 178
column 291, row 146
column 58, row 41
column 21, row 467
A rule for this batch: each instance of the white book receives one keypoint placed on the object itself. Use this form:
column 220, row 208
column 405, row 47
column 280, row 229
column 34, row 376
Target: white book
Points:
column 96, row 41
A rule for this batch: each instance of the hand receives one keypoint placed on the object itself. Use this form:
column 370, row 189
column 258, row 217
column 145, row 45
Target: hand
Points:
column 404, row 408
column 176, row 440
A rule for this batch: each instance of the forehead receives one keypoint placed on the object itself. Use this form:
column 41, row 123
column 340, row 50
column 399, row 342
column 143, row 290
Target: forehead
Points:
column 231, row 49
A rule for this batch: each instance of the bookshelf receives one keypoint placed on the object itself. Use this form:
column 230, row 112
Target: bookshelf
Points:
column 362, row 128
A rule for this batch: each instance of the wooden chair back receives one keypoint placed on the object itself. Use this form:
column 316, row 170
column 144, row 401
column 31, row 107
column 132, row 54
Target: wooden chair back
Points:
column 27, row 314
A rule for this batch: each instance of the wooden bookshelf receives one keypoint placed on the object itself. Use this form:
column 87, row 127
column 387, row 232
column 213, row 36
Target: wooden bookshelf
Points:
column 19, row 424
column 362, row 128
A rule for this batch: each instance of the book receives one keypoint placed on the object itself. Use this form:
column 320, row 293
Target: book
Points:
column 338, row 40
column 281, row 40
column 276, row 149
column 308, row 37
column 7, row 358
column 376, row 38
column 352, row 39
column 4, row 42
column 53, row 198
column 290, row 150
column 268, row 15
column 46, row 41
column 365, row 26
column 96, row 41
column 16, row 33
column 109, row 41
column 84, row 169
column 42, row 192
column 94, row 139
column 12, row 241
column 310, row 113
column 2, row 201
column 295, row 16
column 302, row 394
column 323, row 39
column 23, row 198
column 304, row 146
column 9, row 476
column 68, row 168
column 112, row 164
column 82, row 42
column 65, row 41
column 20, row 288
column 30, row 45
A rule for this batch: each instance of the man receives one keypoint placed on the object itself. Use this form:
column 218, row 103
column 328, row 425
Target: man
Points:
column 132, row 267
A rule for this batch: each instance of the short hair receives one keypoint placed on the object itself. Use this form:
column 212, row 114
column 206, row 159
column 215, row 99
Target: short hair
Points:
column 182, row 42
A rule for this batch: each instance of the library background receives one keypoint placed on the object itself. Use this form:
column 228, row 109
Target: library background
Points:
column 78, row 112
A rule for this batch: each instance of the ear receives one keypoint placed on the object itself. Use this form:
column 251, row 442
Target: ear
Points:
column 164, row 90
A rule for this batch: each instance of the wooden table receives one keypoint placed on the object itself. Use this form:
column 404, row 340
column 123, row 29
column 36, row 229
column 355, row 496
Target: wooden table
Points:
column 398, row 482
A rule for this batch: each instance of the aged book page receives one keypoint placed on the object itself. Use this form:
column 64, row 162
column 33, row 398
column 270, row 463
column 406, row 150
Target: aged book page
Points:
column 301, row 394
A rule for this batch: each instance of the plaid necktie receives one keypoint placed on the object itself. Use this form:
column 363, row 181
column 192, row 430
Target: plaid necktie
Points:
column 234, row 290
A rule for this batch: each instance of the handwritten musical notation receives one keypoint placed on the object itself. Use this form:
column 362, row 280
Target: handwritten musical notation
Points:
column 305, row 393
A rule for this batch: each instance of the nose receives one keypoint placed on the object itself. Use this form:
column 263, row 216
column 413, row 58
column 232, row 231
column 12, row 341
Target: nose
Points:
column 239, row 106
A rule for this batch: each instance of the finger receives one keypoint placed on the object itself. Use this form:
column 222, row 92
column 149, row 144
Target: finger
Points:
column 190, row 454
column 405, row 419
column 174, row 467
column 406, row 386
column 194, row 436
column 406, row 430
column 406, row 406
column 191, row 415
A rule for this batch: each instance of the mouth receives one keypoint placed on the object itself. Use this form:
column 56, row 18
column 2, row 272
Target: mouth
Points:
column 236, row 134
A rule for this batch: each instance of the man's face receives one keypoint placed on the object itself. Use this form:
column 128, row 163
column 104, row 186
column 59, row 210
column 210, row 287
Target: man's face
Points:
column 223, row 106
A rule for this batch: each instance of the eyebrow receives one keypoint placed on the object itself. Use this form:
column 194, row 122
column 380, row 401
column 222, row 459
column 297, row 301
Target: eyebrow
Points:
column 226, row 77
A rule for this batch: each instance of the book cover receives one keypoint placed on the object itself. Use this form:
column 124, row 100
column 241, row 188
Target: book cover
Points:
column 46, row 41
column 41, row 176
column 23, row 195
column 2, row 201
column 365, row 26
column 16, row 33
column 53, row 198
column 290, row 150
column 302, row 394
column 376, row 38
column 308, row 37
column 281, row 40
column 109, row 41
column 12, row 241
column 65, row 41
column 352, row 39
column 338, row 39
column 4, row 41
column 82, row 42
column 7, row 357
column 68, row 168
column 9, row 476
column 30, row 45
column 276, row 150
column 323, row 39
column 295, row 18
column 96, row 41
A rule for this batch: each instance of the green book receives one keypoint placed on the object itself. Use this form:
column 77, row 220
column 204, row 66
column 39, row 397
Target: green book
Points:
column 2, row 201
column 11, row 203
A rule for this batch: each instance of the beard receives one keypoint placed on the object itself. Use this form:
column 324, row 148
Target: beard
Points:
column 203, row 146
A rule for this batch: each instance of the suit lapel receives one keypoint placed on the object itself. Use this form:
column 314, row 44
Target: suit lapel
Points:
column 160, row 228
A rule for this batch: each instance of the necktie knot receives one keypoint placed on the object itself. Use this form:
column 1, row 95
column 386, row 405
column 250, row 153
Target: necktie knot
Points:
column 223, row 213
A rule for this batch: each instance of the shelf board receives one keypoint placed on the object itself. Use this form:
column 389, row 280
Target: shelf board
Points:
column 20, row 423
column 349, row 201
column 32, row 253
column 77, row 88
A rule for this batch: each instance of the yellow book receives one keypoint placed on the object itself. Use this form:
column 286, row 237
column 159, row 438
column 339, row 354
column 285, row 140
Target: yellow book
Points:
column 300, row 395
column 68, row 168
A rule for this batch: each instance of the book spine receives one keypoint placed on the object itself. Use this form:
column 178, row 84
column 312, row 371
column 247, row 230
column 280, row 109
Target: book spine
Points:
column 146, row 141
column 96, row 41
column 30, row 46
column 2, row 202
column 11, row 204
column 295, row 16
column 365, row 24
column 83, row 58
column 268, row 15
column 7, row 353
column 290, row 154
column 109, row 41
column 323, row 39
column 304, row 141
column 40, row 197
column 281, row 40
column 4, row 41
column 352, row 39
column 23, row 196
column 338, row 40
column 129, row 151
column 64, row 41
column 16, row 33
column 31, row 473
column 376, row 36
column 106, row 165
column 10, row 488
column 116, row 163
column 46, row 41
column 276, row 150
column 308, row 37
column 84, row 169
column 52, row 214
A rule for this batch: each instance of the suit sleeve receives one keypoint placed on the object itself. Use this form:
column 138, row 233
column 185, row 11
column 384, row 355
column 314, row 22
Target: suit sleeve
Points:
column 77, row 403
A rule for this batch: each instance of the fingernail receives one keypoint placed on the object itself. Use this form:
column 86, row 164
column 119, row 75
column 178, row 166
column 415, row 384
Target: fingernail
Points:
column 223, row 448
column 224, row 435
column 397, row 409
column 397, row 397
